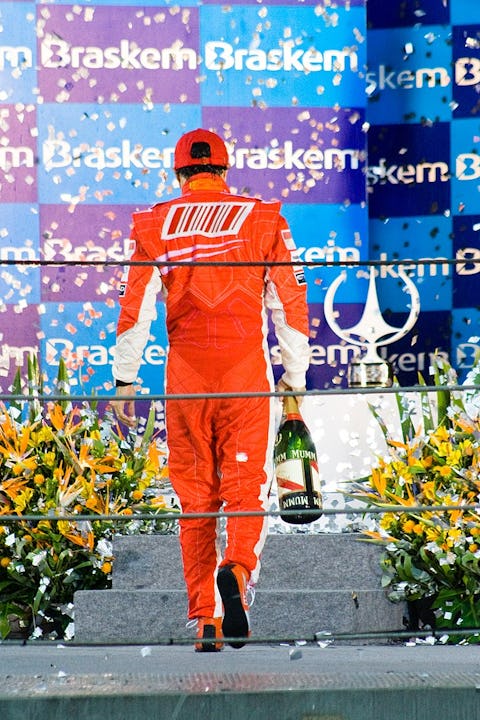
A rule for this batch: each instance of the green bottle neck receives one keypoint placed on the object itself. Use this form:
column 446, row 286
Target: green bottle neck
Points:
column 290, row 408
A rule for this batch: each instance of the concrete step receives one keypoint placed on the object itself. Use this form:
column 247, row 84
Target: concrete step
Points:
column 149, row 616
column 293, row 561
column 308, row 584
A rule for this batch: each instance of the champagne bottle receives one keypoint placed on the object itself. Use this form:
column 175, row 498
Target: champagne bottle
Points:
column 296, row 467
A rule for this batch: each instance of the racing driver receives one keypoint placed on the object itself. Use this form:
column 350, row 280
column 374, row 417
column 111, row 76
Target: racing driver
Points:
column 217, row 298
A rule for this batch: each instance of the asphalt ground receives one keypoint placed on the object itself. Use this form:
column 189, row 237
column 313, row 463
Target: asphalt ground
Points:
column 400, row 681
column 39, row 662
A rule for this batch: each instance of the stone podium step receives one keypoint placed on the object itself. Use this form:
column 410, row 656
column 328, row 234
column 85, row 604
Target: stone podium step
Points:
column 308, row 584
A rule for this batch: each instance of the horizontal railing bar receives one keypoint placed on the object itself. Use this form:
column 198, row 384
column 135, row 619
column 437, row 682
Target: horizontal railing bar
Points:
column 39, row 262
column 293, row 640
column 168, row 516
column 394, row 389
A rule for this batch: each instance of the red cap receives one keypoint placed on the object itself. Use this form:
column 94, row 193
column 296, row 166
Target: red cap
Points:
column 183, row 149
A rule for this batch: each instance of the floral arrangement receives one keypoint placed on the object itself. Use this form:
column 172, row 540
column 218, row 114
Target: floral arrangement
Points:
column 63, row 460
column 431, row 557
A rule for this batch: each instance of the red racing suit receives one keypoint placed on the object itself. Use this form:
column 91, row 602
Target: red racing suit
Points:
column 220, row 449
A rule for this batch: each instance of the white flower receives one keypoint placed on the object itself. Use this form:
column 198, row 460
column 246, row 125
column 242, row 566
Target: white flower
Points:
column 10, row 540
column 69, row 610
column 471, row 399
column 69, row 631
column 104, row 548
column 39, row 558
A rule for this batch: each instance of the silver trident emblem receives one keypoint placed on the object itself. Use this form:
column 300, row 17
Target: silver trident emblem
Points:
column 371, row 331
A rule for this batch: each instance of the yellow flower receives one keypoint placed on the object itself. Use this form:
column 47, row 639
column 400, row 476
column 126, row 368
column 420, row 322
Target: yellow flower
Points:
column 49, row 459
column 68, row 493
column 106, row 567
column 100, row 465
column 129, row 473
column 443, row 470
column 453, row 536
column 113, row 450
column 94, row 503
column 443, row 449
column 408, row 526
column 154, row 456
column 473, row 547
column 378, row 536
column 465, row 424
column 24, row 466
column 164, row 472
column 71, row 532
column 38, row 479
column 387, row 521
column 12, row 487
column 22, row 499
column 137, row 495
column 63, row 527
column 454, row 457
column 379, row 481
column 456, row 517
column 466, row 447
column 5, row 562
column 429, row 490
column 56, row 416
column 433, row 533
column 90, row 540
column 418, row 529
column 441, row 434
column 45, row 434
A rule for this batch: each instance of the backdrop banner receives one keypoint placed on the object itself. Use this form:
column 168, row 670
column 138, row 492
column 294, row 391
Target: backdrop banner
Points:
column 363, row 122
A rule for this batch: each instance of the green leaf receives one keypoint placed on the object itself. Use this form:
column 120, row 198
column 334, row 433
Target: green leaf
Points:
column 440, row 375
column 63, row 382
column 4, row 627
column 427, row 413
column 149, row 427
column 380, row 421
column 35, row 387
column 17, row 405
column 406, row 424
column 42, row 597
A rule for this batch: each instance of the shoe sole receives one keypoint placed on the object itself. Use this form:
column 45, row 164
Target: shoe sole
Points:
column 235, row 620
column 209, row 633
